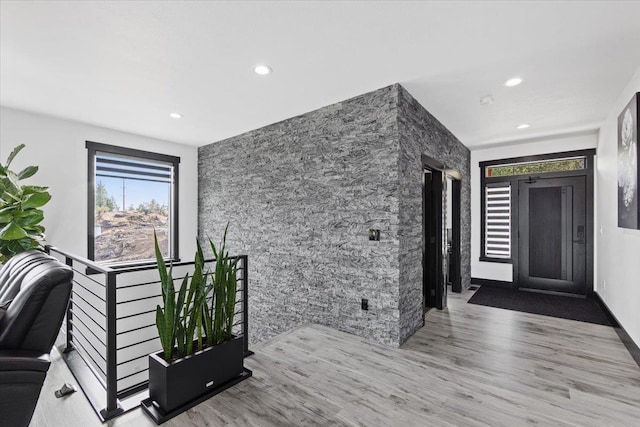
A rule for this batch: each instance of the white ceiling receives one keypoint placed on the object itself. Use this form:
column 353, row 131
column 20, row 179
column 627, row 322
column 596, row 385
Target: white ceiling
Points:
column 127, row 65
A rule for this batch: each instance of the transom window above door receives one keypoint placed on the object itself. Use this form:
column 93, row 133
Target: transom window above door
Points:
column 537, row 167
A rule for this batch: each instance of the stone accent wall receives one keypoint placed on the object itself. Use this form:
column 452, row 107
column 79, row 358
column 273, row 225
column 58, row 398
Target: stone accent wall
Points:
column 301, row 195
column 421, row 133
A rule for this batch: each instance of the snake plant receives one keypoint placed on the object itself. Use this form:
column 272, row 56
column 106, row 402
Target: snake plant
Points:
column 20, row 216
column 205, row 303
column 220, row 313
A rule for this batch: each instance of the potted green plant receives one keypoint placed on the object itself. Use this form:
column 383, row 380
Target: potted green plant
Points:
column 199, row 351
column 20, row 213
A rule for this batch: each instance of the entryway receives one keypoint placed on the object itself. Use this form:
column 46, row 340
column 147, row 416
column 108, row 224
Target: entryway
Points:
column 552, row 235
column 537, row 215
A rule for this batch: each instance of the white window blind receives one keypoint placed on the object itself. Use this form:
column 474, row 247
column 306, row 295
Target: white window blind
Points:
column 497, row 239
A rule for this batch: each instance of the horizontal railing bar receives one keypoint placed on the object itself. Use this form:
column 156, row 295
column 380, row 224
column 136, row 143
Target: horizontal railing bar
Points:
column 85, row 354
column 88, row 354
column 135, row 329
column 175, row 279
column 90, row 291
column 139, row 299
column 72, row 321
column 155, row 296
column 95, row 266
column 122, row 270
column 137, row 314
column 74, row 306
column 88, row 277
column 88, row 303
column 89, row 342
column 154, row 266
column 136, row 343
column 135, row 373
column 131, row 360
column 144, row 284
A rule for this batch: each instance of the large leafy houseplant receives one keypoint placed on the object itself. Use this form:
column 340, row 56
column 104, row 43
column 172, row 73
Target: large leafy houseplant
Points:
column 20, row 213
column 201, row 313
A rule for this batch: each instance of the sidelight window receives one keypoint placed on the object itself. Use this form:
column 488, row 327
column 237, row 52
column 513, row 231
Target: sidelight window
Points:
column 497, row 217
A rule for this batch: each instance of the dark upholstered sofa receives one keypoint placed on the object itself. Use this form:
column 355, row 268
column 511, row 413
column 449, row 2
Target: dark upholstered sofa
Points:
column 35, row 290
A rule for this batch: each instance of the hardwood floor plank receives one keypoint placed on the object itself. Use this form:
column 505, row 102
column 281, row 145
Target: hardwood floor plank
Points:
column 470, row 365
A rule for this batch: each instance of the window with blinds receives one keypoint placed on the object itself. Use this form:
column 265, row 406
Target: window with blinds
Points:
column 497, row 216
column 135, row 195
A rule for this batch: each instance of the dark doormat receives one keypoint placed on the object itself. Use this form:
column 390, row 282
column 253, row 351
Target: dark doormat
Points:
column 582, row 309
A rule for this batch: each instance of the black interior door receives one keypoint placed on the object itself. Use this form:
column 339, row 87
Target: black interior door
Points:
column 454, row 267
column 433, row 275
column 552, row 235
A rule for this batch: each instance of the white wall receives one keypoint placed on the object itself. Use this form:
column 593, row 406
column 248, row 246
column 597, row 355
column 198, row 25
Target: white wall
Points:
column 502, row 271
column 58, row 147
column 618, row 253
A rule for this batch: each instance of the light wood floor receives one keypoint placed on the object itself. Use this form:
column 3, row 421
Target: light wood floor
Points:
column 469, row 366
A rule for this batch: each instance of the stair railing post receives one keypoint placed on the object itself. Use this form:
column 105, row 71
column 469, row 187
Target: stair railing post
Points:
column 113, row 407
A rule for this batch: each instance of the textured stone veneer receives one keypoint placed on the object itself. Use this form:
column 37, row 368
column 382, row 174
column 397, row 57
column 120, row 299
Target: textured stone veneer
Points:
column 301, row 195
column 421, row 133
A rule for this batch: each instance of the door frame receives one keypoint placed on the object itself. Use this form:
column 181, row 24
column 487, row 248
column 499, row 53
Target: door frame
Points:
column 588, row 172
column 437, row 193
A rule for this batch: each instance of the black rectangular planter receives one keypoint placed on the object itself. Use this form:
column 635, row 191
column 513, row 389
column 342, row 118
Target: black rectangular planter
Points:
column 151, row 408
column 174, row 384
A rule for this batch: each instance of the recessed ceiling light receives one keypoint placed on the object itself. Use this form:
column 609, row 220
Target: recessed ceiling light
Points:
column 263, row 70
column 523, row 126
column 175, row 115
column 513, row 82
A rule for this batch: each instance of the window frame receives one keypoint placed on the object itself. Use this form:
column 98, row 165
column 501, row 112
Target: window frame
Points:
column 93, row 148
column 499, row 184
column 513, row 181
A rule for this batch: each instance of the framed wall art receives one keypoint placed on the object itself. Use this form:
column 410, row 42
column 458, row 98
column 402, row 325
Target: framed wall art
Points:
column 629, row 165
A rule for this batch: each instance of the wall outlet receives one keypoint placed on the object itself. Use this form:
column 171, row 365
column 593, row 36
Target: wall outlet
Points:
column 365, row 304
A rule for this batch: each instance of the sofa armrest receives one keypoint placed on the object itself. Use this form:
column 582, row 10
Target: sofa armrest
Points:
column 24, row 360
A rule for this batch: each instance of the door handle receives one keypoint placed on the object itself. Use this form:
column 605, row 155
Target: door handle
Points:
column 580, row 241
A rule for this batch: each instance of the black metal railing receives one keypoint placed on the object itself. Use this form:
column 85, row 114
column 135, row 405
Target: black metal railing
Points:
column 110, row 327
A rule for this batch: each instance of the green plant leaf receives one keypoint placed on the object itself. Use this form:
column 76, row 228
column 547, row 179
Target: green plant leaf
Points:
column 29, row 189
column 32, row 217
column 27, row 244
column 180, row 340
column 162, row 267
column 161, row 324
column 35, row 200
column 13, row 154
column 6, row 216
column 38, row 229
column 11, row 184
column 27, row 172
column 7, row 195
column 12, row 231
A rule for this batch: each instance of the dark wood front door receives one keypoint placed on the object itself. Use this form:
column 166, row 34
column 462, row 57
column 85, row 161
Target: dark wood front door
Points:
column 552, row 235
